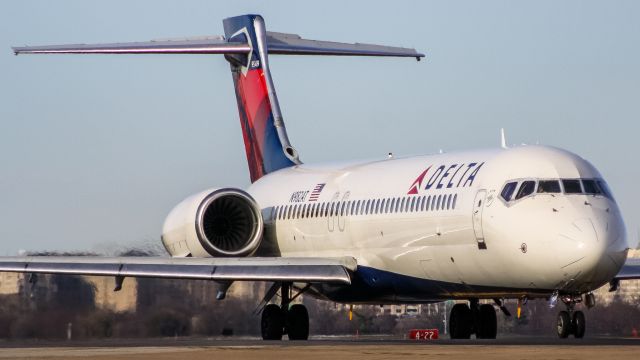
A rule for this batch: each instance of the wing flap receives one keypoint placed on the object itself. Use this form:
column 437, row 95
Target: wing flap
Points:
column 325, row 270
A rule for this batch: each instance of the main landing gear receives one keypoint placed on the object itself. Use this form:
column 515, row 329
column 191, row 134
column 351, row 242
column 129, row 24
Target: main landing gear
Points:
column 571, row 321
column 474, row 318
column 278, row 320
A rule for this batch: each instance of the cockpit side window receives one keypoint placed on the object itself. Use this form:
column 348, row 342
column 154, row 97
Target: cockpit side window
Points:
column 508, row 190
column 590, row 187
column 571, row 186
column 526, row 188
column 549, row 186
column 604, row 188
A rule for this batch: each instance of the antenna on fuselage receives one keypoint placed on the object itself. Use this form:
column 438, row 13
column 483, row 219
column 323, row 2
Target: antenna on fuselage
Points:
column 503, row 140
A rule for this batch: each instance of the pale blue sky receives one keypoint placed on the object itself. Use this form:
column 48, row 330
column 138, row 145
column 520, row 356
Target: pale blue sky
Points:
column 95, row 150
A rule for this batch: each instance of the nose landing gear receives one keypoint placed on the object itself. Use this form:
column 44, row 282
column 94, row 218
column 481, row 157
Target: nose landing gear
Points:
column 571, row 321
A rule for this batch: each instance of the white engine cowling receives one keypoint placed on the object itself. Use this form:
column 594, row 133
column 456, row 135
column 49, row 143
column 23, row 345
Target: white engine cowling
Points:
column 216, row 222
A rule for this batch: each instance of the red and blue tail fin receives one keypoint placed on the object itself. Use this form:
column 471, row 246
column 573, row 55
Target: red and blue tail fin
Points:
column 260, row 118
column 246, row 47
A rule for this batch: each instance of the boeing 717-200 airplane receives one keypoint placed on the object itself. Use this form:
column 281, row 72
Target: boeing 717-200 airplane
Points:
column 523, row 222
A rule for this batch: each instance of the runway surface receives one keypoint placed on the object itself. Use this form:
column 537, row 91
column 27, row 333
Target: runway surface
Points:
column 324, row 348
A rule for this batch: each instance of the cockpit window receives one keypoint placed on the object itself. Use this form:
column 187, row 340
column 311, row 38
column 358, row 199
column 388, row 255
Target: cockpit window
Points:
column 571, row 186
column 508, row 190
column 526, row 189
column 590, row 187
column 605, row 189
column 548, row 186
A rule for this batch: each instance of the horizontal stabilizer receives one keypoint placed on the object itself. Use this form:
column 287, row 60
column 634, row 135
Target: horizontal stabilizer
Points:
column 200, row 46
column 316, row 270
column 277, row 43
column 292, row 44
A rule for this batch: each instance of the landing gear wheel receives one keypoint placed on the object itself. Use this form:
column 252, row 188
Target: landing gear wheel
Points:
column 578, row 324
column 272, row 323
column 488, row 324
column 460, row 322
column 298, row 322
column 564, row 324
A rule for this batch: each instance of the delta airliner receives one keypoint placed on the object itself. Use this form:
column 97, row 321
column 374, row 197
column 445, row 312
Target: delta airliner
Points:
column 507, row 223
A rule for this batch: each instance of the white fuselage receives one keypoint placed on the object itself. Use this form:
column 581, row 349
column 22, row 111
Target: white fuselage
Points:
column 431, row 227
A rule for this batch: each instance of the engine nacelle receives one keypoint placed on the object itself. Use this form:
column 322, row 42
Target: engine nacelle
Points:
column 216, row 222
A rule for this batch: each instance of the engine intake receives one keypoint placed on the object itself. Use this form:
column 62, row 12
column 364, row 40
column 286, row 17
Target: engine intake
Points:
column 221, row 222
column 229, row 223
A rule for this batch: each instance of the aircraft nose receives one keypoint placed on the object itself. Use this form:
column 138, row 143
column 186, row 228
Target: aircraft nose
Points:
column 593, row 250
column 579, row 241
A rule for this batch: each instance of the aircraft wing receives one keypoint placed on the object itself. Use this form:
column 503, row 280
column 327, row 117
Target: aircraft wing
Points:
column 630, row 270
column 310, row 270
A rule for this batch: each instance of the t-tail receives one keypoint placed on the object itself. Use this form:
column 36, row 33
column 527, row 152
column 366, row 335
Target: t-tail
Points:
column 246, row 46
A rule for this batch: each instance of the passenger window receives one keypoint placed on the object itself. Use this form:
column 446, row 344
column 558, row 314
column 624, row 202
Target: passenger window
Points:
column 448, row 201
column 508, row 190
column 455, row 199
column 438, row 199
column 433, row 202
column 572, row 186
column 590, row 187
column 377, row 206
column 548, row 186
column 526, row 189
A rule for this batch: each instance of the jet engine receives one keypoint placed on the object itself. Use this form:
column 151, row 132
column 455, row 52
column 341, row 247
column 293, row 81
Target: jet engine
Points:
column 216, row 222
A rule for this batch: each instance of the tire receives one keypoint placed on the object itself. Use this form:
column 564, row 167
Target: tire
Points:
column 563, row 325
column 488, row 324
column 298, row 322
column 460, row 322
column 578, row 324
column 272, row 324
